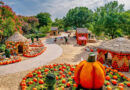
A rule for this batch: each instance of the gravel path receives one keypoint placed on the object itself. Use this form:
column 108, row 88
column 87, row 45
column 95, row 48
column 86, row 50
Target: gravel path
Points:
column 52, row 52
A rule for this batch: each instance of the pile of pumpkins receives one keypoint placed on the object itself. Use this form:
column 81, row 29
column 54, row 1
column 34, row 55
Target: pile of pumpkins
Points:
column 88, row 75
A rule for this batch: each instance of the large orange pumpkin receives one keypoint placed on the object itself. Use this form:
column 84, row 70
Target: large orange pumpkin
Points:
column 90, row 74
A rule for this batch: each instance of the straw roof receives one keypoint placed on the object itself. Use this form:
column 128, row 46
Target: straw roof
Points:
column 54, row 28
column 17, row 37
column 120, row 45
column 82, row 30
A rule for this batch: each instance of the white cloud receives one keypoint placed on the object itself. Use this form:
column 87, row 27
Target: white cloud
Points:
column 126, row 3
column 59, row 8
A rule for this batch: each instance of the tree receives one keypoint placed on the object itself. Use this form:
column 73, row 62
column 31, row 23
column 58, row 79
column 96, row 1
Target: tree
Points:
column 29, row 24
column 78, row 17
column 108, row 20
column 26, row 27
column 9, row 26
column 58, row 23
column 33, row 21
column 44, row 29
column 44, row 19
column 126, row 24
column 9, row 22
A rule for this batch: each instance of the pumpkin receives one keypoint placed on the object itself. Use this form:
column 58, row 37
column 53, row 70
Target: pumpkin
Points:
column 90, row 74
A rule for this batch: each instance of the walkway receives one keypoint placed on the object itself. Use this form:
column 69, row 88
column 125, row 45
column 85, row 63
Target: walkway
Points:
column 52, row 52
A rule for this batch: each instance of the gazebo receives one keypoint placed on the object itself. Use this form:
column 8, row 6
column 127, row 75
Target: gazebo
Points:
column 119, row 49
column 17, row 43
column 54, row 31
column 82, row 36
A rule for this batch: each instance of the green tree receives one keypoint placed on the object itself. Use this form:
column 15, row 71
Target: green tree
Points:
column 108, row 20
column 126, row 24
column 9, row 26
column 58, row 23
column 44, row 19
column 78, row 17
column 44, row 29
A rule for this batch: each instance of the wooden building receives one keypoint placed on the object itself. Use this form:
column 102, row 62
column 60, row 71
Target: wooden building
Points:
column 82, row 36
column 54, row 31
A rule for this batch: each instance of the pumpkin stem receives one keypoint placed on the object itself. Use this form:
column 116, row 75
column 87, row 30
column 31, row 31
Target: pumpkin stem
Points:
column 91, row 57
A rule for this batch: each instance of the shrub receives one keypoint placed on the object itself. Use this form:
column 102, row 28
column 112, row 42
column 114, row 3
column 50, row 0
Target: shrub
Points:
column 7, row 53
column 32, row 39
column 44, row 29
column 34, row 35
column 50, row 81
column 37, row 37
column 41, row 35
column 2, row 48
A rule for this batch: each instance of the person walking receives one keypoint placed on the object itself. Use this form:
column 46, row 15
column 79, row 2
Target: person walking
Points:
column 66, row 40
column 55, row 40
column 69, row 35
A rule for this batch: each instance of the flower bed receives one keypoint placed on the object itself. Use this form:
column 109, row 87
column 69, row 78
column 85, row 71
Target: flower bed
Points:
column 64, row 73
column 35, row 52
column 33, row 45
column 11, row 60
column 36, row 44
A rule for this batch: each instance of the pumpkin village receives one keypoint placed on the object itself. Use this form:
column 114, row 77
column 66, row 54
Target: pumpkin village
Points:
column 64, row 45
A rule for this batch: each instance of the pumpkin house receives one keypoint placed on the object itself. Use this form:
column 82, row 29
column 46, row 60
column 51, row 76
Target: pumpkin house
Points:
column 119, row 50
column 82, row 36
column 17, row 43
column 54, row 31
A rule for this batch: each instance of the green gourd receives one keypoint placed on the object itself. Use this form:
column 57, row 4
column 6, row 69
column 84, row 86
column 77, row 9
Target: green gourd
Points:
column 32, row 39
column 37, row 38
column 7, row 53
column 50, row 81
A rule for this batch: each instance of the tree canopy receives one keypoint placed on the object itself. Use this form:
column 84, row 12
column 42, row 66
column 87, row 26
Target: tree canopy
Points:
column 29, row 23
column 44, row 19
column 58, row 23
column 78, row 17
column 109, row 20
column 9, row 22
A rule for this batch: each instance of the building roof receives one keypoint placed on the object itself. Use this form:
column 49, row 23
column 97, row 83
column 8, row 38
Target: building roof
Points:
column 17, row 37
column 82, row 30
column 54, row 28
column 120, row 45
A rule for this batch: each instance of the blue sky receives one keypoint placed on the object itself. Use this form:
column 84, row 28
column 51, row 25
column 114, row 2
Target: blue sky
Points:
column 57, row 8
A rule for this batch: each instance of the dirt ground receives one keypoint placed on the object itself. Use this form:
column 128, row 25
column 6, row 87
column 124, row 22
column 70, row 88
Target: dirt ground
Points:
column 72, row 54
